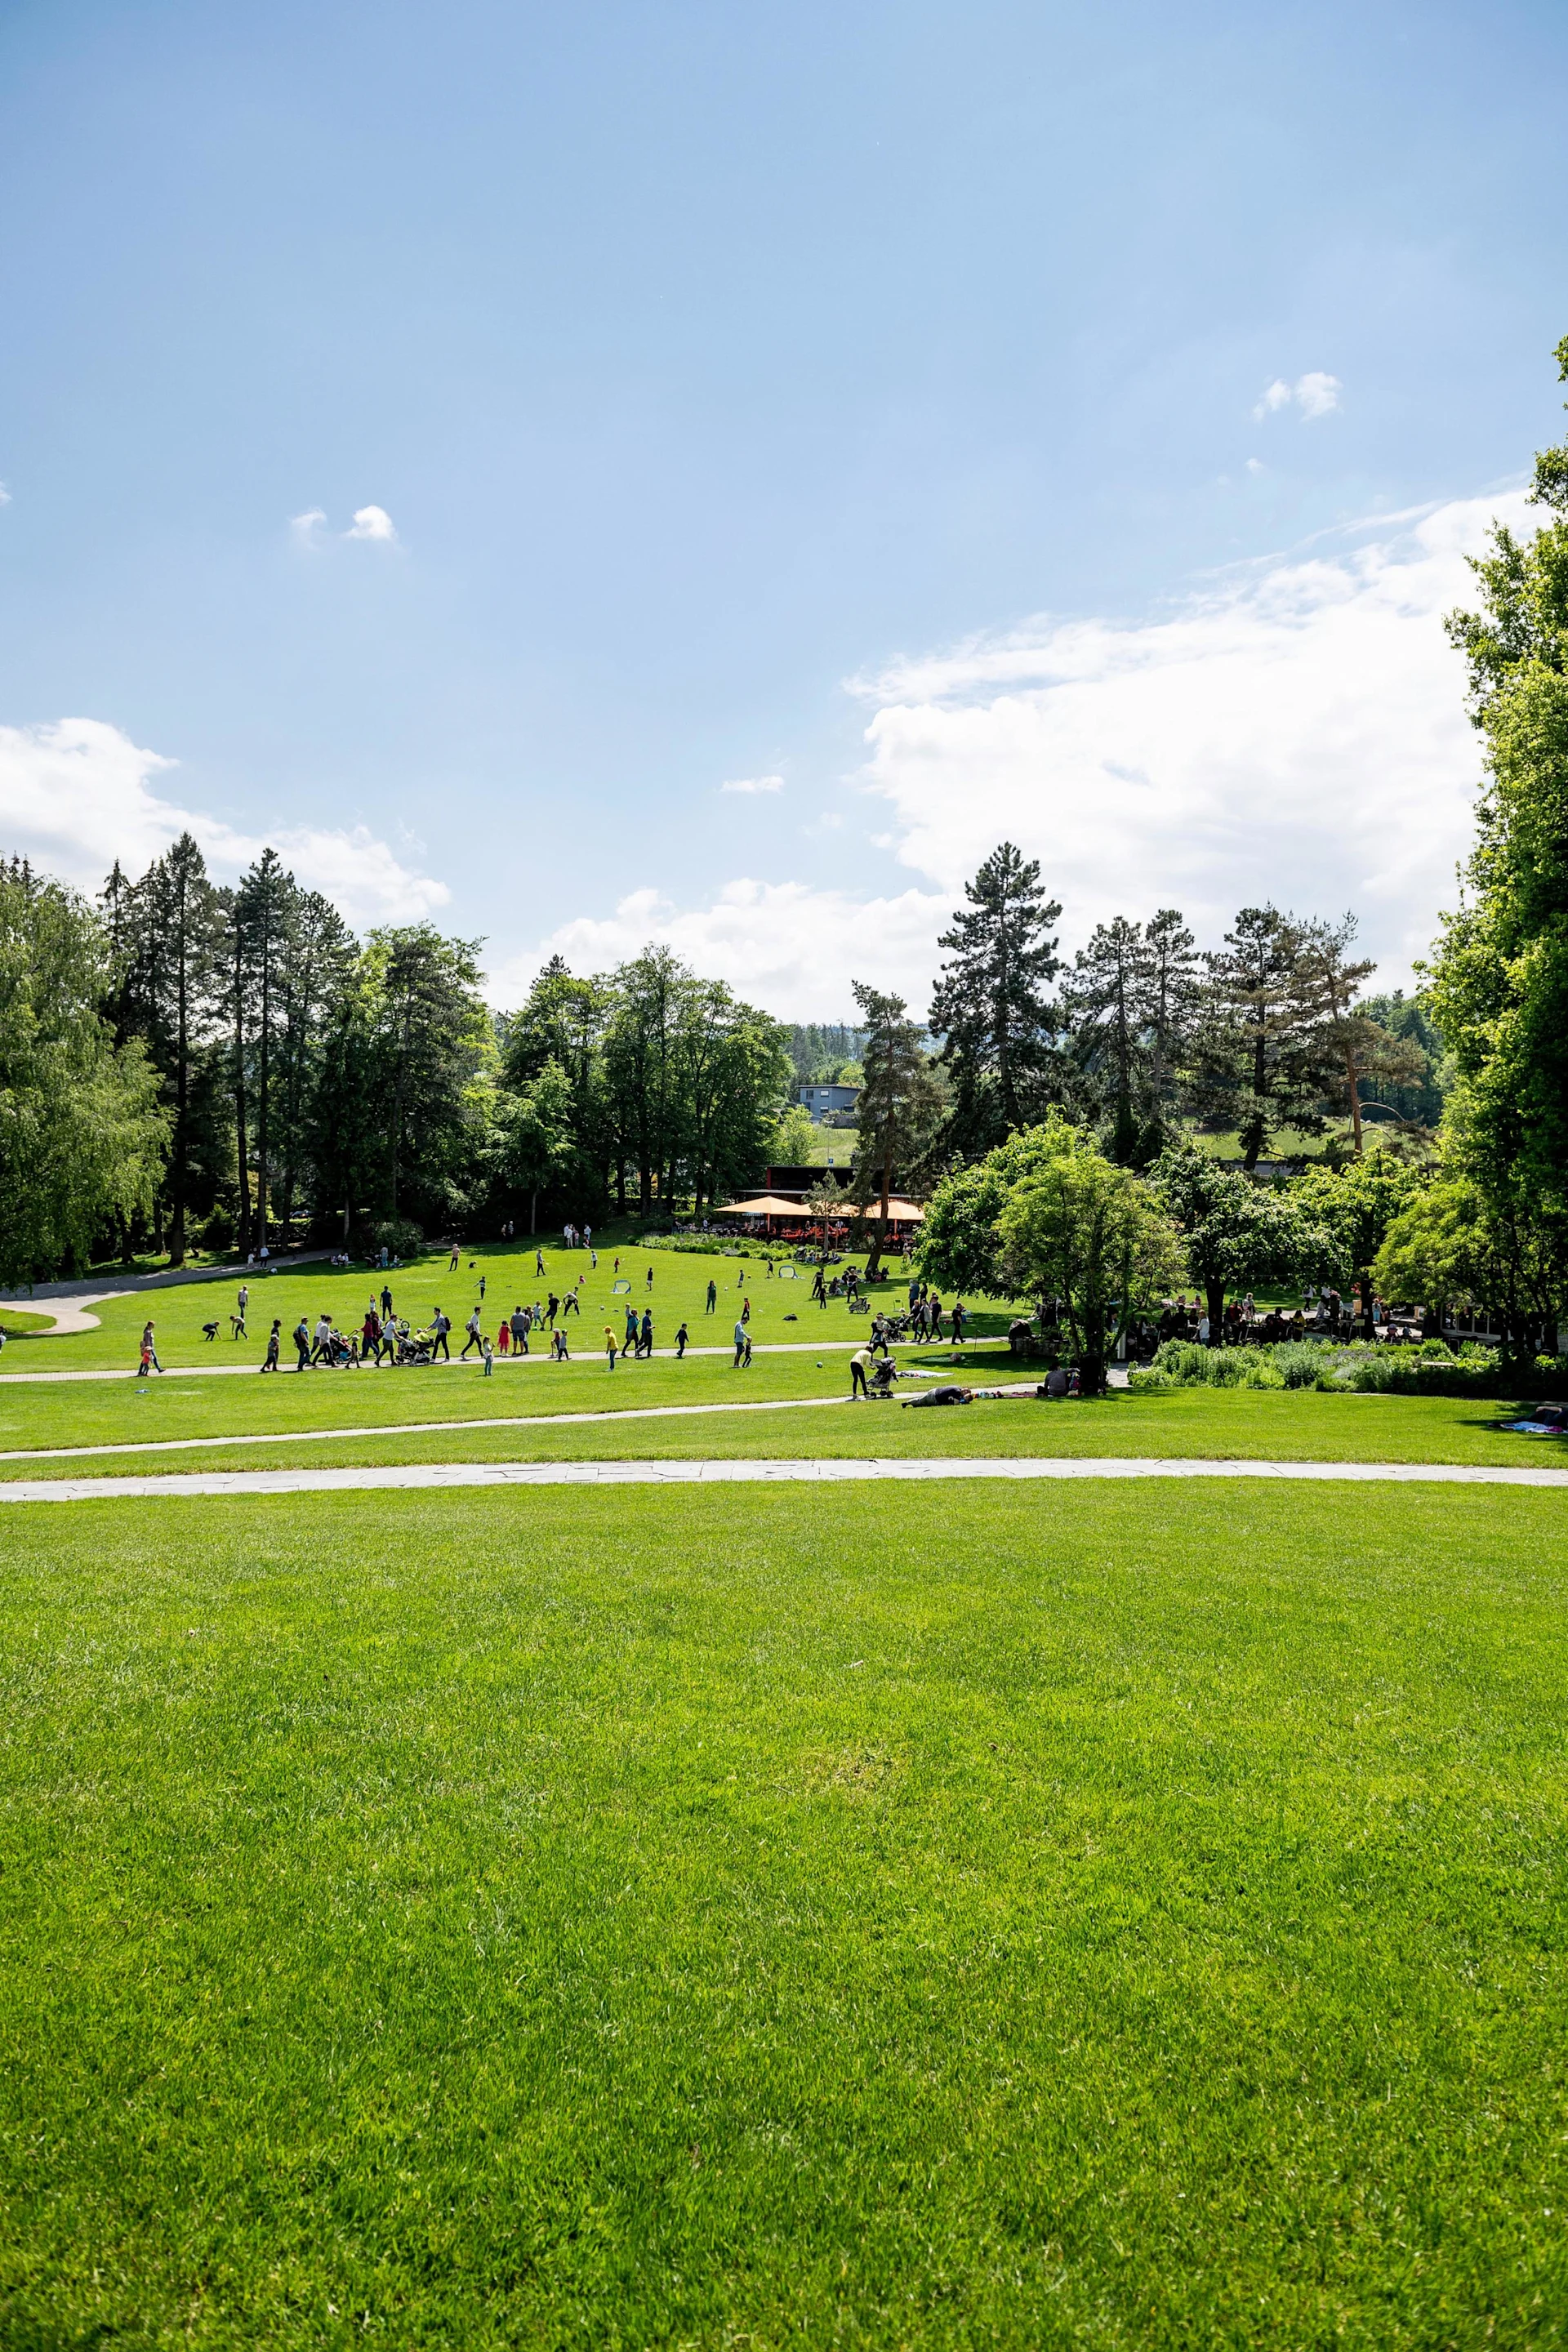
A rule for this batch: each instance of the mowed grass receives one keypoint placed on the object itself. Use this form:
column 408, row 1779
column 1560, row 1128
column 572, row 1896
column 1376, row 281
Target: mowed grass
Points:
column 1108, row 1918
column 679, row 1289
column 42, row 1425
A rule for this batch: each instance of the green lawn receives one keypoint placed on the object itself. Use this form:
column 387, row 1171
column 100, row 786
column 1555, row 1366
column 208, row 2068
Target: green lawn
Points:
column 1208, row 1423
column 679, row 1288
column 1104, row 1918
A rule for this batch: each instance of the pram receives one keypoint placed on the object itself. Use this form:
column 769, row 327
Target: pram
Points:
column 415, row 1347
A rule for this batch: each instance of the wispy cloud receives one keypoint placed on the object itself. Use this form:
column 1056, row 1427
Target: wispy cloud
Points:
column 1315, row 394
column 76, row 794
column 5, row 496
column 305, row 526
column 753, row 784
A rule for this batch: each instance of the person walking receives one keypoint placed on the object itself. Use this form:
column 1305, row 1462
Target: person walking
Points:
column 960, row 1317
column 746, row 1308
column 303, row 1343
column 645, row 1336
column 271, row 1363
column 150, row 1350
column 519, row 1333
column 742, row 1346
column 439, row 1326
column 483, row 1278
column 539, row 1263
column 503, row 1334
column 712, row 1306
column 385, row 1303
column 238, row 1317
column 559, row 1348
column 650, row 1277
column 629, row 1342
column 321, row 1351
column 476, row 1337
column 681, row 1339
column 452, row 1262
column 858, row 1363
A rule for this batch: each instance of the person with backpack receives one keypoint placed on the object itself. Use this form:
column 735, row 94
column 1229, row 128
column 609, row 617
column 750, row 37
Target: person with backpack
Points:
column 303, row 1343
column 476, row 1337
column 439, row 1328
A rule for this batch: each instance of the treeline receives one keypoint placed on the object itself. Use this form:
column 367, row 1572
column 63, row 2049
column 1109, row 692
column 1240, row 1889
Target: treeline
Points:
column 188, row 1064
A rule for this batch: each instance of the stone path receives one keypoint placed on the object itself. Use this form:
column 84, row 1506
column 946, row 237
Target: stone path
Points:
column 787, row 1473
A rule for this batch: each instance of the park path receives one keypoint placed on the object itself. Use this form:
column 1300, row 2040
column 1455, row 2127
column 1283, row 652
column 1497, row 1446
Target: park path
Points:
column 71, row 1303
column 800, row 1471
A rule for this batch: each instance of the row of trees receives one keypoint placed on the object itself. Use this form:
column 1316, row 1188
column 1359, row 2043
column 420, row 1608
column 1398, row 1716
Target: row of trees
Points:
column 1074, row 1094
column 188, row 1061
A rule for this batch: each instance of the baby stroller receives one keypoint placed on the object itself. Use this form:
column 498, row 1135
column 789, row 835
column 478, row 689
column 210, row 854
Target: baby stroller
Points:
column 415, row 1347
column 884, row 1372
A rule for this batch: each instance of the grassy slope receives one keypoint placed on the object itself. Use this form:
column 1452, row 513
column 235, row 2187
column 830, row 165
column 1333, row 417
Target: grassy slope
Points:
column 1115, row 1918
column 679, row 1288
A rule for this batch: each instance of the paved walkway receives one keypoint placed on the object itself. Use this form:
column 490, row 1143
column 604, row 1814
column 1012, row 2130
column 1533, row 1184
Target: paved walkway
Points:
column 71, row 1314
column 788, row 1473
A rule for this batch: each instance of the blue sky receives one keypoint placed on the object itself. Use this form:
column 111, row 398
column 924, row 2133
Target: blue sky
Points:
column 870, row 402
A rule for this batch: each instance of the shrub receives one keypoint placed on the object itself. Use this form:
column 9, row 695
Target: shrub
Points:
column 396, row 1235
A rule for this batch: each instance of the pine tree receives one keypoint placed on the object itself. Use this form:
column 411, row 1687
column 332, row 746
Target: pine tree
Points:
column 990, row 1006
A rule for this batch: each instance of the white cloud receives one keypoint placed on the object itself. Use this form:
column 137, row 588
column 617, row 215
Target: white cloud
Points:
column 5, row 496
column 753, row 784
column 305, row 526
column 1297, row 733
column 370, row 522
column 1256, row 465
column 76, row 794
column 1314, row 394
column 783, row 945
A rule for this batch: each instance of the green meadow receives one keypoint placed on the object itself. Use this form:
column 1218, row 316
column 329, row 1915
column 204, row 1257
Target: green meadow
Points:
column 943, row 1916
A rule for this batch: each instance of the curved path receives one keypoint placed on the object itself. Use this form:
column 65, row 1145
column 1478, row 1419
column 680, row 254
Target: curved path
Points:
column 817, row 1472
column 222, row 1371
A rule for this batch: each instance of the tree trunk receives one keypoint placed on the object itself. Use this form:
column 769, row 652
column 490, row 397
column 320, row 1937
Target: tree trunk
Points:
column 1213, row 1299
column 532, row 1213
column 181, row 1104
column 1354, row 1078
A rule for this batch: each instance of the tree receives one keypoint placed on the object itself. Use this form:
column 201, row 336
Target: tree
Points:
column 1234, row 1233
column 82, row 1134
column 794, row 1139
column 1090, row 1234
column 434, row 1046
column 958, row 1245
column 262, row 907
column 990, row 1006
column 1499, row 986
column 1106, row 1002
column 532, row 1141
column 1356, row 1204
column 1262, row 1060
column 1448, row 1243
column 1172, row 1007
column 900, row 1102
column 1350, row 1041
